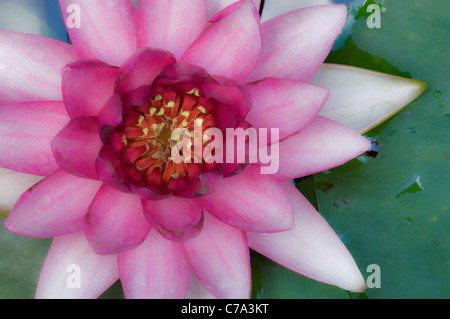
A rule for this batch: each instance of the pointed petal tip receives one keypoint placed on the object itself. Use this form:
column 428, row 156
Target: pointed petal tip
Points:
column 10, row 227
column 415, row 88
column 362, row 287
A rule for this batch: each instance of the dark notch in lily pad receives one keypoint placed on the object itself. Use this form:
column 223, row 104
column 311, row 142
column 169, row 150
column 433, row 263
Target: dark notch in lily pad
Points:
column 374, row 148
column 261, row 7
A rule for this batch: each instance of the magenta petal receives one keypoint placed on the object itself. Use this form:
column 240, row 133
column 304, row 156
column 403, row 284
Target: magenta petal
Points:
column 220, row 259
column 86, row 86
column 116, row 222
column 111, row 115
column 142, row 68
column 26, row 130
column 183, row 22
column 109, row 170
column 55, row 206
column 250, row 201
column 107, row 30
column 176, row 218
column 231, row 43
column 30, row 68
column 311, row 248
column 297, row 43
column 77, row 146
column 284, row 104
column 322, row 145
column 157, row 269
column 72, row 270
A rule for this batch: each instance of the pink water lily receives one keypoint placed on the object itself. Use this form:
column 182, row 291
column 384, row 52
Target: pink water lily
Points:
column 92, row 118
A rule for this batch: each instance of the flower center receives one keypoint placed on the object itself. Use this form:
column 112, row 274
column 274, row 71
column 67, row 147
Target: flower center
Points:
column 148, row 139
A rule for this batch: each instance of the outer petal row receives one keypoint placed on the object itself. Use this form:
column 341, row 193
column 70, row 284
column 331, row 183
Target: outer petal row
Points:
column 104, row 30
column 320, row 146
column 55, row 206
column 26, row 130
column 311, row 248
column 309, row 41
column 73, row 270
column 30, row 67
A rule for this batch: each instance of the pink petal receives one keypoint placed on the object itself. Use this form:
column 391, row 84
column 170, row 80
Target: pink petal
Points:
column 322, row 145
column 142, row 68
column 284, row 104
column 231, row 43
column 250, row 201
column 86, row 86
column 12, row 186
column 30, row 67
column 297, row 43
column 214, row 6
column 116, row 222
column 26, row 130
column 228, row 94
column 183, row 22
column 157, row 269
column 311, row 248
column 107, row 29
column 68, row 255
column 220, row 258
column 77, row 146
column 176, row 218
column 55, row 206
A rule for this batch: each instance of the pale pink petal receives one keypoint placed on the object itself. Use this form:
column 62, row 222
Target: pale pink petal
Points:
column 86, row 86
column 116, row 222
column 311, row 248
column 26, row 130
column 182, row 22
column 284, row 104
column 176, row 218
column 77, row 146
column 214, row 6
column 72, row 270
column 157, row 269
column 30, row 67
column 250, row 201
column 276, row 8
column 12, row 186
column 142, row 68
column 322, row 145
column 55, row 206
column 297, row 43
column 106, row 30
column 197, row 290
column 220, row 258
column 231, row 43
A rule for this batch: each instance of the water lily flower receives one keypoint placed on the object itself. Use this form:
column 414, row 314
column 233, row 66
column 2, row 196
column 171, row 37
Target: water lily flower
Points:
column 93, row 119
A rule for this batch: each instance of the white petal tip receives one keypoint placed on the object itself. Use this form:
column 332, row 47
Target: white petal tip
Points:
column 355, row 98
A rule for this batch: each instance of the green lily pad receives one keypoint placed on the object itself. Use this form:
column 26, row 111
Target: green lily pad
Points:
column 20, row 265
